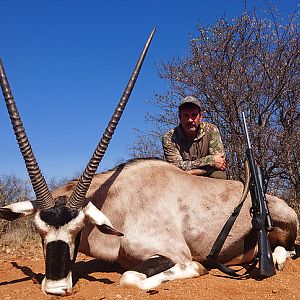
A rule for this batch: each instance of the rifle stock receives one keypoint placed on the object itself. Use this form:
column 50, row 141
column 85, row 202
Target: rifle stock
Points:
column 261, row 219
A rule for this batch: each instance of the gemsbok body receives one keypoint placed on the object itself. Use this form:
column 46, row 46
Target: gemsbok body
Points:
column 152, row 218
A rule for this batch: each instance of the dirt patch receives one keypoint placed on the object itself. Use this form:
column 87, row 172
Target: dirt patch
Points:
column 21, row 274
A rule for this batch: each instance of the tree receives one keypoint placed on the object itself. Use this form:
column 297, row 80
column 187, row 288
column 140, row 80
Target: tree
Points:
column 250, row 64
column 13, row 189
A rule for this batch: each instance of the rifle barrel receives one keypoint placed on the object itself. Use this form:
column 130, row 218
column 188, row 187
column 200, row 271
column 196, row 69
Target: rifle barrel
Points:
column 261, row 219
column 246, row 131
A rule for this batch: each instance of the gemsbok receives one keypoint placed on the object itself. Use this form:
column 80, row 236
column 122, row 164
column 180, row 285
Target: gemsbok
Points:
column 152, row 218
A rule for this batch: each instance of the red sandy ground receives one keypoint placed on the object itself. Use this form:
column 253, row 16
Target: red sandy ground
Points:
column 21, row 272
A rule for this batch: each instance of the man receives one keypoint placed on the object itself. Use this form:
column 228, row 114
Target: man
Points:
column 195, row 146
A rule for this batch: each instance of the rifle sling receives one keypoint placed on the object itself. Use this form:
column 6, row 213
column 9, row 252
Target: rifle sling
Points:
column 213, row 264
column 211, row 259
column 218, row 244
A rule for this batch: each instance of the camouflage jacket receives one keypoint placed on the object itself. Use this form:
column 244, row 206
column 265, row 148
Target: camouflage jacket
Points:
column 196, row 154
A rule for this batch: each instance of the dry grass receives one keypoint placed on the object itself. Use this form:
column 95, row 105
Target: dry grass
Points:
column 14, row 235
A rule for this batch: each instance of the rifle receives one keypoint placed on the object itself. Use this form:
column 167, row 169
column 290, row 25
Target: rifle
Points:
column 261, row 219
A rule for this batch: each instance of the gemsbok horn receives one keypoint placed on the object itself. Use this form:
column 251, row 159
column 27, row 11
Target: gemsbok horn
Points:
column 40, row 188
column 43, row 196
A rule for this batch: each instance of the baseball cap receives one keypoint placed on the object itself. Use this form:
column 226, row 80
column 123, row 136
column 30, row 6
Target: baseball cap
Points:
column 190, row 99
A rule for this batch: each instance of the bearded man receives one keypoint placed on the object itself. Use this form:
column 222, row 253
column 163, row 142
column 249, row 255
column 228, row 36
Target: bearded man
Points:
column 195, row 146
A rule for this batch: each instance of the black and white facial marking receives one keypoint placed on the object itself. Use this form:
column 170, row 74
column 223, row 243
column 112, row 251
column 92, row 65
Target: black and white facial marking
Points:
column 60, row 228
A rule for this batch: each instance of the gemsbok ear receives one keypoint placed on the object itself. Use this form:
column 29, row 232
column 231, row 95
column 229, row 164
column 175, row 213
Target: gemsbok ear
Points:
column 17, row 210
column 109, row 230
column 98, row 218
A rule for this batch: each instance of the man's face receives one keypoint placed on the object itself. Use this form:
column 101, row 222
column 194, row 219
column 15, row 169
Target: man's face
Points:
column 190, row 118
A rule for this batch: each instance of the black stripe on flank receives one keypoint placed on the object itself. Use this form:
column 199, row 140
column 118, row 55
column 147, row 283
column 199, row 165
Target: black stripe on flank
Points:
column 58, row 262
column 58, row 215
column 154, row 265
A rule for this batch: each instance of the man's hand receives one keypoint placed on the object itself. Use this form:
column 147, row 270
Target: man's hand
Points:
column 198, row 172
column 220, row 162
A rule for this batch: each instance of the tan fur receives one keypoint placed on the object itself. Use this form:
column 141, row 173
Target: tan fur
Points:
column 163, row 210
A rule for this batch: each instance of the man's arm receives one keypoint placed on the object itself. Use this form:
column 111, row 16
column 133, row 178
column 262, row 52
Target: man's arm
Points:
column 171, row 153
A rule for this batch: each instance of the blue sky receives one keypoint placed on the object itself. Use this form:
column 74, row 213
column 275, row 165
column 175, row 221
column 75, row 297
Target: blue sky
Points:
column 68, row 63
